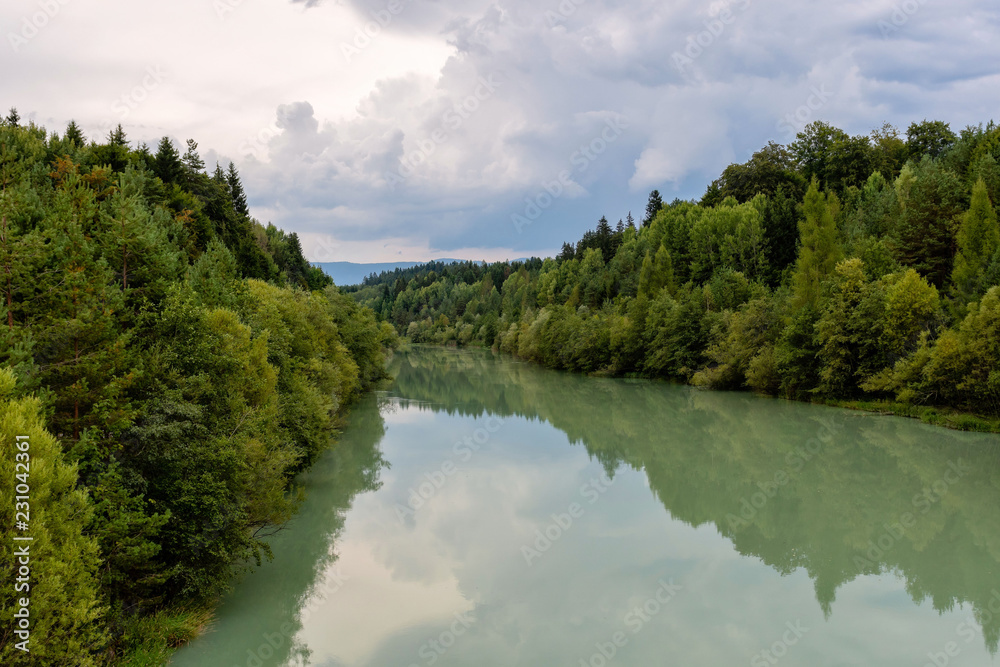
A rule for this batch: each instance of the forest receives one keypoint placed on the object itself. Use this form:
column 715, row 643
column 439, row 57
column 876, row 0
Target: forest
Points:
column 862, row 270
column 173, row 364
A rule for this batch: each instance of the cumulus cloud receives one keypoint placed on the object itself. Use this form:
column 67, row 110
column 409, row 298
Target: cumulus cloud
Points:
column 429, row 125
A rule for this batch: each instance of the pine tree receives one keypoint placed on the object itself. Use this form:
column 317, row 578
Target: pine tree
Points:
column 603, row 235
column 13, row 118
column 219, row 178
column 135, row 243
column 930, row 199
column 978, row 241
column 193, row 164
column 73, row 314
column 20, row 247
column 75, row 135
column 116, row 137
column 653, row 207
column 820, row 248
column 236, row 191
column 167, row 162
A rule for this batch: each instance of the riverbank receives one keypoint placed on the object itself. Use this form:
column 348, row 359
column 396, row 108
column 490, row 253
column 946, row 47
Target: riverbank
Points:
column 934, row 415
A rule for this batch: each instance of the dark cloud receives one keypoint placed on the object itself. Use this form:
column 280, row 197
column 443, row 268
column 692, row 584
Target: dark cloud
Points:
column 387, row 143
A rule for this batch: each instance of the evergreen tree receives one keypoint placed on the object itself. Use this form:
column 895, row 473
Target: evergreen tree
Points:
column 653, row 207
column 604, row 241
column 167, row 163
column 73, row 315
column 116, row 137
column 781, row 228
column 135, row 241
column 13, row 118
column 978, row 241
column 236, row 191
column 193, row 164
column 75, row 135
column 568, row 252
column 820, row 249
column 923, row 237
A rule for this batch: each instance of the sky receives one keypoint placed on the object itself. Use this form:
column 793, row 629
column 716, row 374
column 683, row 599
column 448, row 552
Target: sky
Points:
column 405, row 130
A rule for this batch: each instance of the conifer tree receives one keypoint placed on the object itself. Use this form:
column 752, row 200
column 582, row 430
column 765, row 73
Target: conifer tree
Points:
column 978, row 241
column 116, row 137
column 930, row 201
column 820, row 248
column 167, row 162
column 236, row 191
column 653, row 207
column 75, row 135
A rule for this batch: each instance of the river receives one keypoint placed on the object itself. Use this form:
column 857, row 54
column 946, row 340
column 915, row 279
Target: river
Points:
column 489, row 513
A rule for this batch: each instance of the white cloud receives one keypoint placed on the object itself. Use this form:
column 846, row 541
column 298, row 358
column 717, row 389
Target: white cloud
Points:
column 316, row 128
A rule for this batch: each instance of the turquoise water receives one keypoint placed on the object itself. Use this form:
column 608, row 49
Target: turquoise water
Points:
column 487, row 512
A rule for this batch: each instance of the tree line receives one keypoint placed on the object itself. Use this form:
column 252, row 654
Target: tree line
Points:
column 174, row 363
column 851, row 268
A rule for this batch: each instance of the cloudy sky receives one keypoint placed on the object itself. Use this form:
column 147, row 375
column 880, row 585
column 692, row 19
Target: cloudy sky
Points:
column 392, row 130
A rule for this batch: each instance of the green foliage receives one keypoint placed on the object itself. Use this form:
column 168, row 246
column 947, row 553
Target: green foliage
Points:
column 959, row 368
column 978, row 241
column 185, row 394
column 930, row 198
column 826, row 292
column 930, row 138
column 64, row 602
column 820, row 248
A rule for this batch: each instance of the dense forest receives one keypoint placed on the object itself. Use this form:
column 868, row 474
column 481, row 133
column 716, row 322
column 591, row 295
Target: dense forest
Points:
column 851, row 268
column 174, row 364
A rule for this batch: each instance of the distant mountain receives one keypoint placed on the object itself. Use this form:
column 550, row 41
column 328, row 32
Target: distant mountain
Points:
column 350, row 273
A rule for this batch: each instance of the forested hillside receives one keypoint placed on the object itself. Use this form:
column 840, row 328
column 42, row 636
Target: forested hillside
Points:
column 174, row 364
column 842, row 267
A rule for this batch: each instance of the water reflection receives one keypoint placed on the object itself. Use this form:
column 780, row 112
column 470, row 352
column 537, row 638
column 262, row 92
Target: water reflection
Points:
column 861, row 495
column 260, row 623
column 830, row 537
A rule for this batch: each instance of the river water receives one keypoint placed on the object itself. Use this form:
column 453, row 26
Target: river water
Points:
column 485, row 512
